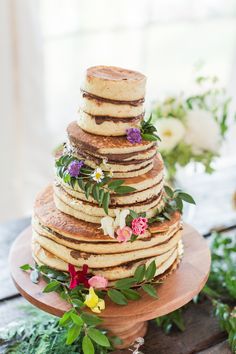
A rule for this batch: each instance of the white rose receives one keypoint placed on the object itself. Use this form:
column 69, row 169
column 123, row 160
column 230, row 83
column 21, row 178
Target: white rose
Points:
column 171, row 131
column 203, row 132
column 109, row 225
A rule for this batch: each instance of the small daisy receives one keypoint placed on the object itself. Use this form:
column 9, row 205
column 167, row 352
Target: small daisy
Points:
column 98, row 175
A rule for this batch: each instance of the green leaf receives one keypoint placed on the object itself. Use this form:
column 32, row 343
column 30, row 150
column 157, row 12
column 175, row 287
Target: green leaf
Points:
column 65, row 318
column 88, row 187
column 133, row 214
column 169, row 191
column 124, row 189
column 150, row 290
column 186, row 197
column 77, row 303
column 26, row 267
column 151, row 270
column 90, row 320
column 72, row 334
column 139, row 273
column 131, row 294
column 124, row 283
column 114, row 184
column 179, row 204
column 106, row 202
column 117, row 297
column 34, row 276
column 52, row 286
column 77, row 319
column 101, row 196
column 98, row 337
column 81, row 183
column 95, row 192
column 150, row 137
column 87, row 345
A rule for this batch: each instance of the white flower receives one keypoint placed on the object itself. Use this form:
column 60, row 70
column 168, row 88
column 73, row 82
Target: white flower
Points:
column 203, row 132
column 171, row 131
column 120, row 218
column 109, row 225
column 98, row 175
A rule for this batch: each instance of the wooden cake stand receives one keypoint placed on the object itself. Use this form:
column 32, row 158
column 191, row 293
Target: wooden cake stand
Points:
column 130, row 321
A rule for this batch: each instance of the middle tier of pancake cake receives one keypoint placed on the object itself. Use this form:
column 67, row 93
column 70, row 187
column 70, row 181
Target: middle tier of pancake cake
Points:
column 114, row 154
column 59, row 239
column 147, row 197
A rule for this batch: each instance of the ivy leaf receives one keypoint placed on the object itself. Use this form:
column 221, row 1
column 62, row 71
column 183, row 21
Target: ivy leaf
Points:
column 106, row 202
column 90, row 320
column 114, row 184
column 124, row 189
column 124, row 283
column 34, row 276
column 117, row 297
column 139, row 273
column 87, row 345
column 150, row 290
column 151, row 270
column 72, row 334
column 186, row 197
column 131, row 294
column 98, row 337
column 52, row 286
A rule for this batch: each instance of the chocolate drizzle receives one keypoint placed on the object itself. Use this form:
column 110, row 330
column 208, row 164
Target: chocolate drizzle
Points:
column 101, row 119
column 90, row 96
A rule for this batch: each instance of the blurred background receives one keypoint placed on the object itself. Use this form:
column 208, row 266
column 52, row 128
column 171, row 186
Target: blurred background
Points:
column 45, row 47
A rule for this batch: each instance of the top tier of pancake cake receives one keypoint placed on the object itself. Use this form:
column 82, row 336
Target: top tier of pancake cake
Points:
column 108, row 207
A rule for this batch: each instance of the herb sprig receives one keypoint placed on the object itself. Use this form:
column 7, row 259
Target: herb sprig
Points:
column 148, row 130
column 100, row 191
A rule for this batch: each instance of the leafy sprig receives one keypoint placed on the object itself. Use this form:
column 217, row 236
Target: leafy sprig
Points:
column 174, row 201
column 100, row 191
column 77, row 322
column 148, row 130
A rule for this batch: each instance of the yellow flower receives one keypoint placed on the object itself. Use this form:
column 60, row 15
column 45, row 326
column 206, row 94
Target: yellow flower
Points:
column 94, row 302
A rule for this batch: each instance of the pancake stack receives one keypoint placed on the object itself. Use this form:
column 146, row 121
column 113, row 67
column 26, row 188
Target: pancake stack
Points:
column 67, row 223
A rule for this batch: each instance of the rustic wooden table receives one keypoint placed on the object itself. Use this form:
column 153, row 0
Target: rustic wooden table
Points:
column 202, row 334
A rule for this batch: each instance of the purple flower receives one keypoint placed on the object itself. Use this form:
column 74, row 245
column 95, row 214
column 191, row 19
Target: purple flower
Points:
column 134, row 135
column 74, row 168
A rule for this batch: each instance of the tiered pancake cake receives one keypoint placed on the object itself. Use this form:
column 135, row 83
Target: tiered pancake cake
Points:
column 67, row 223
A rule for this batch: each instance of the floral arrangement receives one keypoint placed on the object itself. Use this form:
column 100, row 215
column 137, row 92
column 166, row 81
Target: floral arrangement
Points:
column 93, row 182
column 193, row 127
column 81, row 291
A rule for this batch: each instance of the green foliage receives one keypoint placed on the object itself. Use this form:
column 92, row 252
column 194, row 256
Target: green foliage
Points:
column 173, row 319
column 220, row 289
column 148, row 130
column 173, row 202
column 99, row 191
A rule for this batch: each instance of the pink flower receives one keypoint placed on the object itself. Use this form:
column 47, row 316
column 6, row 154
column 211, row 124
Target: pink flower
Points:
column 98, row 282
column 139, row 225
column 124, row 233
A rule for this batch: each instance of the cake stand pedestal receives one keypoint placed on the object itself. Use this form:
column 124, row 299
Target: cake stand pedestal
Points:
column 130, row 321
